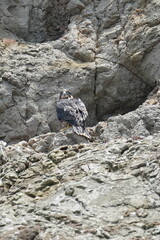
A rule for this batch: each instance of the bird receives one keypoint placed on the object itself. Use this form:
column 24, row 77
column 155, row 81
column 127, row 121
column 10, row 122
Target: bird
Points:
column 72, row 111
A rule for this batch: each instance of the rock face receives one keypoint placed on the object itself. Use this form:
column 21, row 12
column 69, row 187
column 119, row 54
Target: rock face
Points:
column 59, row 186
column 105, row 52
column 35, row 21
column 142, row 122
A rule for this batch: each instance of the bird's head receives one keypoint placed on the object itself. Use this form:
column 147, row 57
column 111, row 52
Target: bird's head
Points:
column 65, row 95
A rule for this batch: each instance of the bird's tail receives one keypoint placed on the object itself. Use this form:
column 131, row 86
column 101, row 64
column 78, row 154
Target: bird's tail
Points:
column 82, row 131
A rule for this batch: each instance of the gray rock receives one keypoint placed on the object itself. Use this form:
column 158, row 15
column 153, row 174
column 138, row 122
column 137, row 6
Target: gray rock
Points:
column 79, row 191
column 136, row 124
column 106, row 53
column 3, row 157
column 58, row 185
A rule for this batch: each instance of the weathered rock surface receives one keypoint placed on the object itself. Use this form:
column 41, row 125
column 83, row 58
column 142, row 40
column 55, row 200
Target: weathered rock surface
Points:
column 27, row 106
column 57, row 185
column 142, row 122
column 106, row 52
column 82, row 190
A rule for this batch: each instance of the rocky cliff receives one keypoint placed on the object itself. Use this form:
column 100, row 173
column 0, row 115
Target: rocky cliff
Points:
column 106, row 52
column 57, row 185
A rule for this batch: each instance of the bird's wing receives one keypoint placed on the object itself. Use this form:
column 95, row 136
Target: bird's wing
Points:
column 81, row 108
column 71, row 110
column 67, row 110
